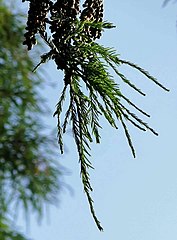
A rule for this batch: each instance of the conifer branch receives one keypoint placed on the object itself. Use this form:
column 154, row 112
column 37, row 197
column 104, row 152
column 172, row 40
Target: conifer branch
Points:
column 144, row 72
column 58, row 112
column 128, row 137
column 93, row 92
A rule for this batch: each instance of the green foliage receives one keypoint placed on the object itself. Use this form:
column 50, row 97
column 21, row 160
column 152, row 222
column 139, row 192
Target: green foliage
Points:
column 8, row 232
column 92, row 90
column 94, row 93
column 29, row 174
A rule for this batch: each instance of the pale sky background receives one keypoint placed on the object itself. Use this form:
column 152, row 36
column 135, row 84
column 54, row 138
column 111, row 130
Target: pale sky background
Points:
column 135, row 199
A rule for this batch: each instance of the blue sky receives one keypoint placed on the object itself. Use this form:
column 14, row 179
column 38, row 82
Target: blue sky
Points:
column 135, row 199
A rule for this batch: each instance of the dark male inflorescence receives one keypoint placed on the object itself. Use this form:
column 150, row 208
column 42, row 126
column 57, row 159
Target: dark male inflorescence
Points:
column 62, row 26
column 93, row 11
column 63, row 15
column 36, row 23
column 63, row 20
